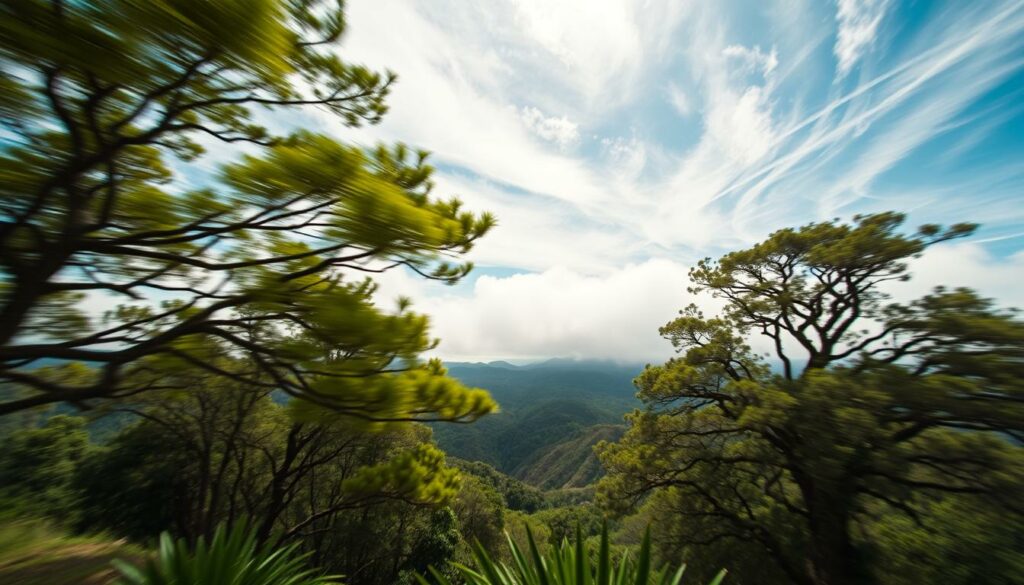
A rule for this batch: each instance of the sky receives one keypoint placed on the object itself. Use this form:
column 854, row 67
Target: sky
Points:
column 620, row 141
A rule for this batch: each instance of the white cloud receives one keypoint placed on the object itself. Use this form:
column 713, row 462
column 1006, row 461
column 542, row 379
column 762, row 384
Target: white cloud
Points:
column 954, row 61
column 536, row 232
column 858, row 22
column 628, row 155
column 596, row 46
column 741, row 125
column 966, row 264
column 679, row 100
column 753, row 59
column 561, row 312
column 765, row 138
column 562, row 131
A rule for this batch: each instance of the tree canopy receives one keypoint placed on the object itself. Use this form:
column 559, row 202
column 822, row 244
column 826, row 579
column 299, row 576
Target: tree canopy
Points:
column 107, row 106
column 866, row 406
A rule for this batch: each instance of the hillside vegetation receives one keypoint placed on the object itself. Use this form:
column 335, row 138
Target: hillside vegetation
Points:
column 558, row 406
column 571, row 463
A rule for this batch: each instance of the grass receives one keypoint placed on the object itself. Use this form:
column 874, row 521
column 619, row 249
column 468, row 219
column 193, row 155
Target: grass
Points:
column 34, row 552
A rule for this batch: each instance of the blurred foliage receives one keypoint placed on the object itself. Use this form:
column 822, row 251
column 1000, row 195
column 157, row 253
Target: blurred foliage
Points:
column 897, row 403
column 105, row 103
column 562, row 523
column 960, row 540
column 39, row 552
column 38, row 467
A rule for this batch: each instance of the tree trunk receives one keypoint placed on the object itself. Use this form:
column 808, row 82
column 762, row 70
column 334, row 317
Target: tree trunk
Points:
column 833, row 559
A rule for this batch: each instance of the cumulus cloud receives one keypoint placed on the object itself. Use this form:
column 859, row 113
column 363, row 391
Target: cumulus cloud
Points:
column 562, row 131
column 967, row 264
column 857, row 22
column 562, row 312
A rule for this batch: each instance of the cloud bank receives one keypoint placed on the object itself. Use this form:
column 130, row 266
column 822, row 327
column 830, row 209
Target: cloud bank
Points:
column 618, row 142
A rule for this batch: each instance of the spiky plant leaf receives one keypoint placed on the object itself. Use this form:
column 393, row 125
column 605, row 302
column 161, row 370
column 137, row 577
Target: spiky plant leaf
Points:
column 230, row 557
column 567, row 564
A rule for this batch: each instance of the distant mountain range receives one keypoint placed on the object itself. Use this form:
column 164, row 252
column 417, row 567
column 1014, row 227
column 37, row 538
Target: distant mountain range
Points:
column 552, row 413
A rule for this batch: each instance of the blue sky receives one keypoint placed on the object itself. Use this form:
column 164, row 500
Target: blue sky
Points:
column 620, row 141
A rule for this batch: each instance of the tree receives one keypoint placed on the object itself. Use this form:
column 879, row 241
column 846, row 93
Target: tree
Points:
column 97, row 96
column 221, row 455
column 966, row 542
column 480, row 510
column 563, row 522
column 37, row 467
column 893, row 400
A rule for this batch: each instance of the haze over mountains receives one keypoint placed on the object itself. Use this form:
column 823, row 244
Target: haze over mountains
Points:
column 552, row 414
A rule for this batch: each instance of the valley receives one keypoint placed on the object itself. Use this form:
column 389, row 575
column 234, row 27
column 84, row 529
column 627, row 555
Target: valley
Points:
column 552, row 414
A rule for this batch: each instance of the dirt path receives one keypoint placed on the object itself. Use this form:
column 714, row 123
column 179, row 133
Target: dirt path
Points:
column 78, row 564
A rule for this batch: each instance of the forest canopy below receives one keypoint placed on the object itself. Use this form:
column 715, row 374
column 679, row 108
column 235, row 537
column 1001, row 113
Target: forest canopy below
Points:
column 246, row 392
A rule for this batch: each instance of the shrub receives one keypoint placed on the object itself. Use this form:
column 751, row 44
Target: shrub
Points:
column 232, row 557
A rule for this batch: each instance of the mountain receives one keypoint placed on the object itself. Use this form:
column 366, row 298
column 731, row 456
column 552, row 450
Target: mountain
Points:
column 552, row 413
column 571, row 463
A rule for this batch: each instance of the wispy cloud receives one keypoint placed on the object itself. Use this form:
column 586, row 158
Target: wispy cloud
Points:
column 858, row 22
column 608, row 135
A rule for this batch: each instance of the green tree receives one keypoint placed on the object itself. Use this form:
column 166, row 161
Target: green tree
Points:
column 481, row 513
column 221, row 455
column 564, row 522
column 38, row 466
column 964, row 541
column 517, row 494
column 892, row 400
column 100, row 97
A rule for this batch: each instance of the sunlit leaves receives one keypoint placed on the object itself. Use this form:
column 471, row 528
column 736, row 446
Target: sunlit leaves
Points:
column 256, row 260
column 417, row 476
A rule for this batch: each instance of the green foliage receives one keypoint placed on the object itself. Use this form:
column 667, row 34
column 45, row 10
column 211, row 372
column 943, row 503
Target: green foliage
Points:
column 572, row 462
column 961, row 540
column 896, row 402
column 586, row 520
column 520, row 529
column 137, row 485
column 38, row 466
column 516, row 494
column 439, row 544
column 417, row 476
column 480, row 510
column 266, row 258
column 371, row 506
column 566, row 564
column 231, row 556
column 569, row 496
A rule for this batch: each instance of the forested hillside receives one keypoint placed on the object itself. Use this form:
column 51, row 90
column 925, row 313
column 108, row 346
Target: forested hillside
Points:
column 556, row 406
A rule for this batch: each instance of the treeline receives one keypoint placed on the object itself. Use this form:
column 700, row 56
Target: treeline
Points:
column 376, row 507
